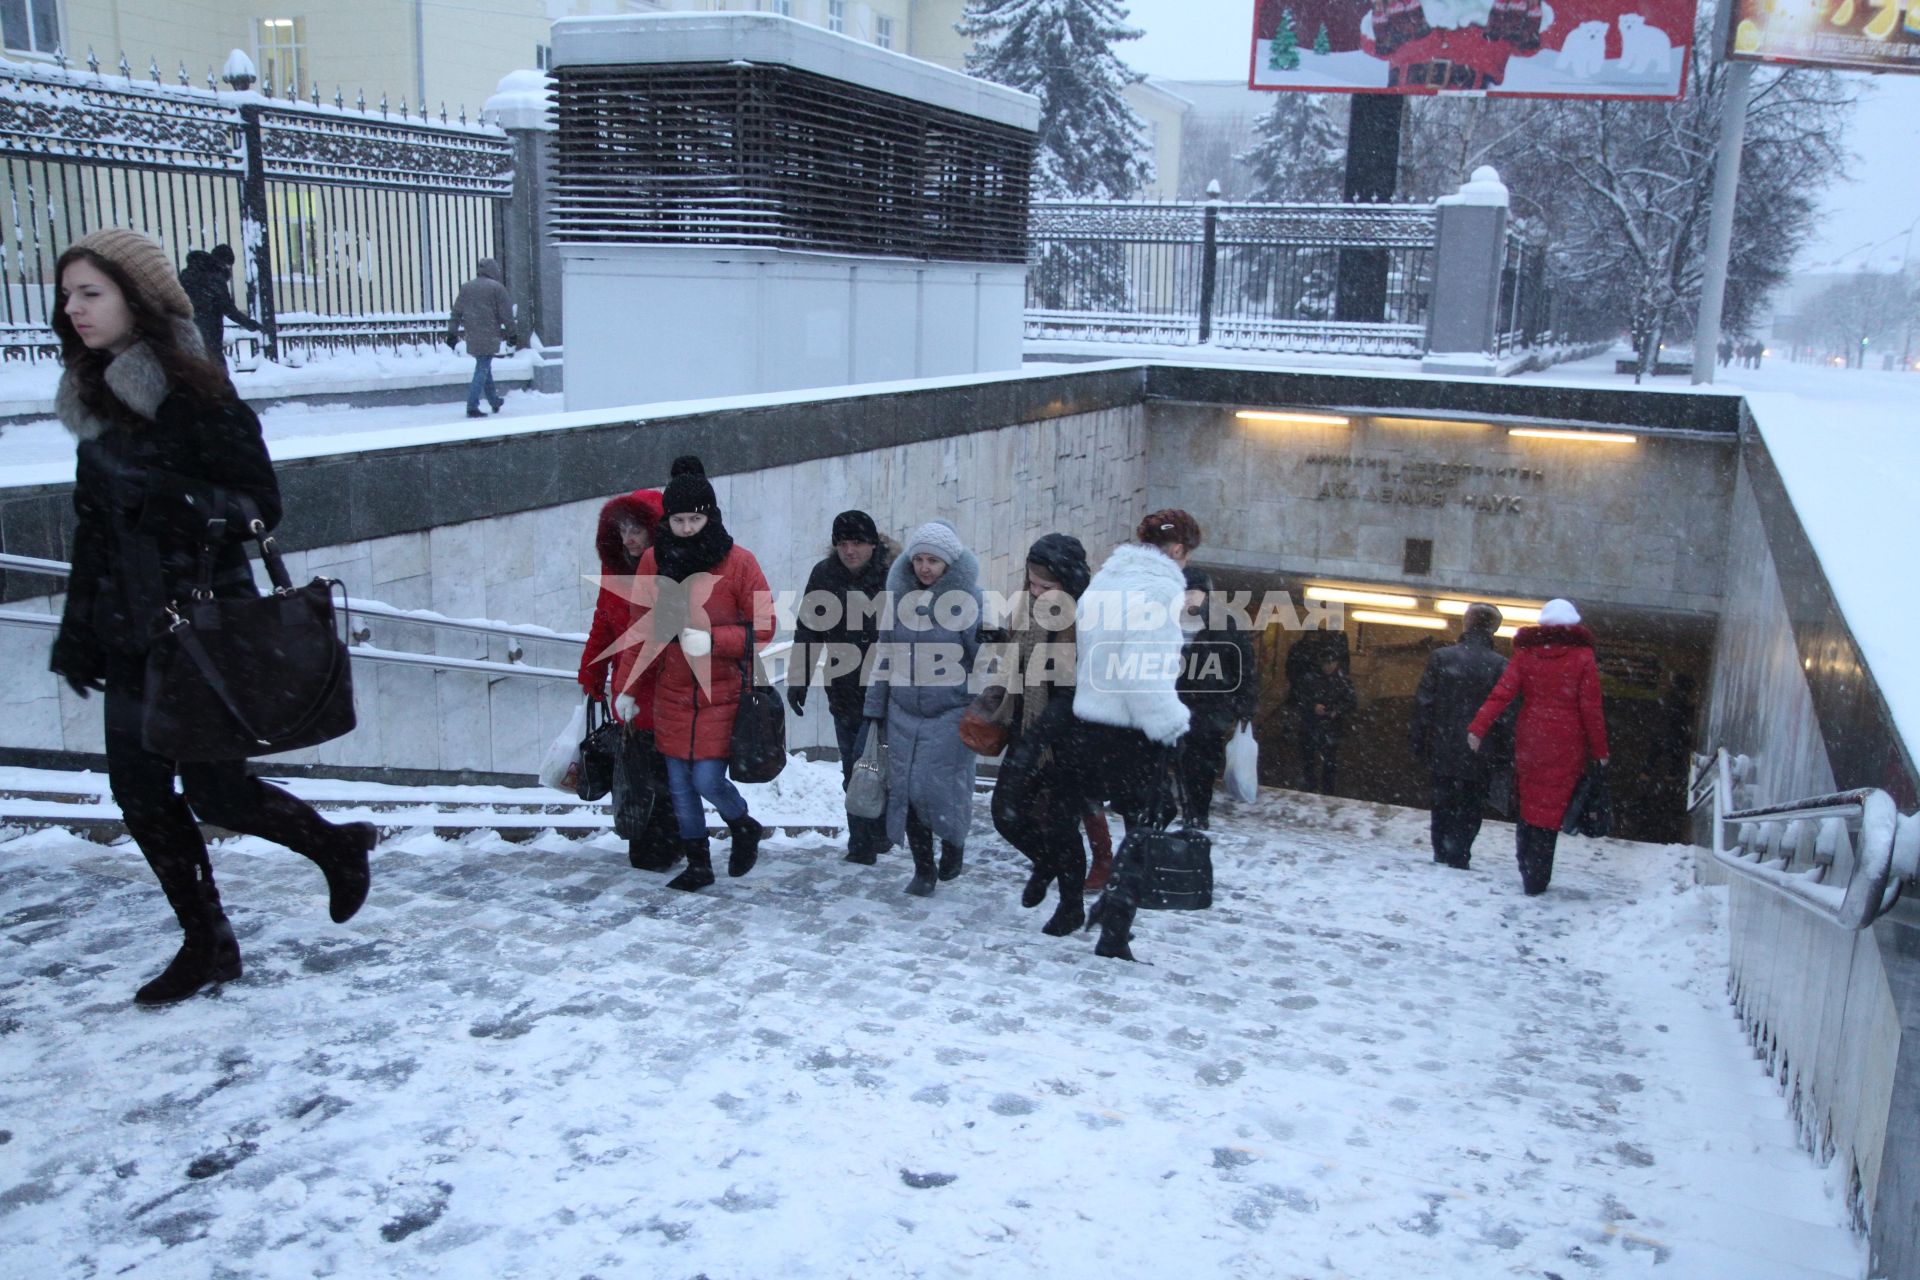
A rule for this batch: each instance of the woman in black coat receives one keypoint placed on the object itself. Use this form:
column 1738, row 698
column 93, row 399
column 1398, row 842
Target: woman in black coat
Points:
column 165, row 450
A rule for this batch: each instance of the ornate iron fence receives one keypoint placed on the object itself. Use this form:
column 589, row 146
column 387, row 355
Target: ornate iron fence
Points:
column 1526, row 299
column 352, row 226
column 1237, row 275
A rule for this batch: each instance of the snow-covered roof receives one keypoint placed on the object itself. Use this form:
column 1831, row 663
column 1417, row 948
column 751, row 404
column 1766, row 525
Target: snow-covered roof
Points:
column 770, row 40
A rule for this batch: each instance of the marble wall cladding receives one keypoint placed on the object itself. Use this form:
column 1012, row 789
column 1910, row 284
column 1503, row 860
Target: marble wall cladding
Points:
column 1081, row 473
column 1640, row 525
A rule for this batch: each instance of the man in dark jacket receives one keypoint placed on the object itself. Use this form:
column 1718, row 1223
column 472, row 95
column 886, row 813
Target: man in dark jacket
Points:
column 846, row 587
column 1325, row 700
column 1456, row 682
column 484, row 313
column 1219, row 683
column 208, row 280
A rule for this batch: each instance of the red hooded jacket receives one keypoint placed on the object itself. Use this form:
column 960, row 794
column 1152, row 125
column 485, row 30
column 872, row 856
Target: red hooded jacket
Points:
column 1560, row 725
column 642, row 507
column 691, row 722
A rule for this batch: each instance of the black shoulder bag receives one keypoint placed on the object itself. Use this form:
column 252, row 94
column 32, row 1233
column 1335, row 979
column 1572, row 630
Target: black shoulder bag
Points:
column 757, row 751
column 599, row 752
column 1172, row 869
column 233, row 678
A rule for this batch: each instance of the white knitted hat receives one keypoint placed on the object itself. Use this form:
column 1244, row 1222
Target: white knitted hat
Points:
column 1559, row 613
column 936, row 538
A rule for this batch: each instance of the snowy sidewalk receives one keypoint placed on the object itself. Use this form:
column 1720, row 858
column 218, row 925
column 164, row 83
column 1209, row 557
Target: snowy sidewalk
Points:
column 530, row 1060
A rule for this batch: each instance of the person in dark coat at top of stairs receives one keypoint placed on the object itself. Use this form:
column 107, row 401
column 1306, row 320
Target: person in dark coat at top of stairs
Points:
column 1456, row 682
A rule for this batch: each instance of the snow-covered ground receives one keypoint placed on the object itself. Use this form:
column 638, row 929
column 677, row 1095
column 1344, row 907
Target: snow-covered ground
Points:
column 530, row 1060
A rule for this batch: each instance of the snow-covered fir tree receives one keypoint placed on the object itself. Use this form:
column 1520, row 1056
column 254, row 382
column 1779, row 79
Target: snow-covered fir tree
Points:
column 1092, row 144
column 1299, row 157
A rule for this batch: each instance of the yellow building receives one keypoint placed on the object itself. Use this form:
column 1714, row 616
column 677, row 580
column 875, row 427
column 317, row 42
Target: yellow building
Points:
column 440, row 51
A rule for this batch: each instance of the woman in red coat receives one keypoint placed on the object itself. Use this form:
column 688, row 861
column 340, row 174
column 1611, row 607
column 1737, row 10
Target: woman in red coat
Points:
column 701, row 636
column 627, row 525
column 1559, row 729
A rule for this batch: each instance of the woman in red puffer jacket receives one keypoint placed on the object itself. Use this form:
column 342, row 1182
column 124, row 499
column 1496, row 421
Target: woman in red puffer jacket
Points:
column 710, row 614
column 628, row 523
column 1560, row 727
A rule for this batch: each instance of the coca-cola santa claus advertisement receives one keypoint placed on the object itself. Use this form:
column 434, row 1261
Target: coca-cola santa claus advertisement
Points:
column 1514, row 48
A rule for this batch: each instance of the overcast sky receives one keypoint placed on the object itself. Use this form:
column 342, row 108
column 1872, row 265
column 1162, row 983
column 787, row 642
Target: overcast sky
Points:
column 1209, row 40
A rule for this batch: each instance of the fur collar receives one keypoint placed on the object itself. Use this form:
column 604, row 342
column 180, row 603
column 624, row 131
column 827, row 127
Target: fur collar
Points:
column 1576, row 636
column 136, row 380
column 1134, row 567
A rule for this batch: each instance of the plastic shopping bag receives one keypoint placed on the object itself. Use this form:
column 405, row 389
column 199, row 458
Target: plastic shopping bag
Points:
column 1243, row 765
column 560, row 767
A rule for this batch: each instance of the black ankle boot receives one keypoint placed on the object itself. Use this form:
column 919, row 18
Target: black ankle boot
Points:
column 746, row 844
column 952, row 856
column 339, row 851
column 699, row 872
column 345, row 867
column 1038, row 883
column 208, row 955
column 1072, row 911
column 924, row 872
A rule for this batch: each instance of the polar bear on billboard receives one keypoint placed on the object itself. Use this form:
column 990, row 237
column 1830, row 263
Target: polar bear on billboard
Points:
column 1584, row 50
column 1643, row 48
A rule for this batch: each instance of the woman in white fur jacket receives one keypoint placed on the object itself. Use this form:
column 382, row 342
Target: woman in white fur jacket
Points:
column 1125, row 697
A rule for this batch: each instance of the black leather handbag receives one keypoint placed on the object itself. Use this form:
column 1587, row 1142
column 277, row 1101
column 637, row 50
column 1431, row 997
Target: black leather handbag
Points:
column 757, row 751
column 633, row 794
column 1172, row 868
column 599, row 752
column 233, row 678
column 1590, row 812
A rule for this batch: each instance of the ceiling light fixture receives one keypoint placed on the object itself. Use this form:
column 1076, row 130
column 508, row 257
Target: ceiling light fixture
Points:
column 1348, row 595
column 1585, row 437
column 1292, row 419
column 1425, row 422
column 1425, row 621
column 1510, row 612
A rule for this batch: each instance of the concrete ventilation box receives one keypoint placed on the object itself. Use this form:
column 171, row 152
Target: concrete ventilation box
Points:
column 744, row 203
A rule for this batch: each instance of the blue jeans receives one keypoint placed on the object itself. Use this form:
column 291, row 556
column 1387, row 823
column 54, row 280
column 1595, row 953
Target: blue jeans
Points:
column 482, row 384
column 690, row 780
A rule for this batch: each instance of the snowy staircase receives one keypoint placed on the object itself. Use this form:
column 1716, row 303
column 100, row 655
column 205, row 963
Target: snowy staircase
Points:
column 1357, row 1064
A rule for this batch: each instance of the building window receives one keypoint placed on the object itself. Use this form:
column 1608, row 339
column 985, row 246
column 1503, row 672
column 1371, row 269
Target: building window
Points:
column 543, row 57
column 281, row 45
column 883, row 31
column 30, row 26
column 782, row 7
column 837, row 15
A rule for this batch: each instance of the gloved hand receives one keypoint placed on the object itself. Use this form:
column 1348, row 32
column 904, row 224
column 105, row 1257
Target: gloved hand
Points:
column 77, row 659
column 626, row 708
column 695, row 644
column 797, row 698
column 453, row 345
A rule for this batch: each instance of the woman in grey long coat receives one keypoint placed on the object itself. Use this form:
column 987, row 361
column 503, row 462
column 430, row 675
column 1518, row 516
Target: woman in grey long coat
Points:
column 919, row 690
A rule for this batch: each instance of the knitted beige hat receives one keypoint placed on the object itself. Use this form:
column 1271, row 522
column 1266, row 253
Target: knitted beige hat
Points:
column 145, row 263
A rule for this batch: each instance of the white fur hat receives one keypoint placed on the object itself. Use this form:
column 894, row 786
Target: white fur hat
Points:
column 1559, row 613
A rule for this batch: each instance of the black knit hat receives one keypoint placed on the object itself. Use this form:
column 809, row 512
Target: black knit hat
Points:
column 687, row 464
column 689, row 493
column 855, row 526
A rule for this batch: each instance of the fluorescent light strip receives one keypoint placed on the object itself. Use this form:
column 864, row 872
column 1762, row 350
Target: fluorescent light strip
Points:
column 1425, row 621
column 1528, row 613
column 1585, row 437
column 1425, row 422
column 1345, row 595
column 1293, row 419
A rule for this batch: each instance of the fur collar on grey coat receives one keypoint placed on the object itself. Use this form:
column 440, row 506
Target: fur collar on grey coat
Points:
column 136, row 379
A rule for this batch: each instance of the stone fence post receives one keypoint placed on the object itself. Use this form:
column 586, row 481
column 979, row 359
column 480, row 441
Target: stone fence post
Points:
column 1463, row 314
column 522, row 106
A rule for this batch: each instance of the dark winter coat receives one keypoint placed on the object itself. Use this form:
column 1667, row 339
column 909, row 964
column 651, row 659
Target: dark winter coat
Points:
column 691, row 722
column 1560, row 726
column 929, row 767
column 483, row 312
column 1334, row 693
column 1218, row 680
column 612, row 609
column 857, row 594
column 144, row 494
column 209, row 287
column 1456, row 682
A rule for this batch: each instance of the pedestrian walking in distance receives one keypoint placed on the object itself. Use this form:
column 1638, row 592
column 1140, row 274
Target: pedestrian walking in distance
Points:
column 1220, row 685
column 919, row 692
column 208, row 281
column 1456, row 682
column 1324, row 699
column 484, row 314
column 708, row 650
column 1560, row 727
column 164, row 451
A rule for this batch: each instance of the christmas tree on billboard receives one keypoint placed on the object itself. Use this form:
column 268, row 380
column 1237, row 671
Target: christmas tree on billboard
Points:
column 1285, row 54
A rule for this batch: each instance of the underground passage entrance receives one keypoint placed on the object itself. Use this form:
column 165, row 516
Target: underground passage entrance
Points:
column 1653, row 665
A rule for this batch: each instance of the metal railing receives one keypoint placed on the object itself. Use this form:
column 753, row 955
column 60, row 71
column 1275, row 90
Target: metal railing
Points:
column 1790, row 847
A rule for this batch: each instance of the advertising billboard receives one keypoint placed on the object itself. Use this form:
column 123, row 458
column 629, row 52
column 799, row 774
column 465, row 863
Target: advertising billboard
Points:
column 1861, row 35
column 1510, row 48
